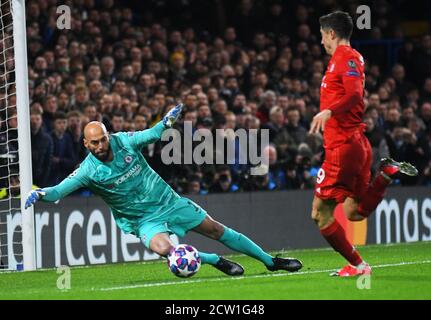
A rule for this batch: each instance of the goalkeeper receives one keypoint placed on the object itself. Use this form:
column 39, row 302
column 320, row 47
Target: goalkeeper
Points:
column 143, row 204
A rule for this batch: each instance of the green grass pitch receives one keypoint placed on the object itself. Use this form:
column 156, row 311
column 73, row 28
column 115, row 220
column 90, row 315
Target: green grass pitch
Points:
column 401, row 271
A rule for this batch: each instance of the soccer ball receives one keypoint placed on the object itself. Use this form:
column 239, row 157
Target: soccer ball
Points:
column 184, row 261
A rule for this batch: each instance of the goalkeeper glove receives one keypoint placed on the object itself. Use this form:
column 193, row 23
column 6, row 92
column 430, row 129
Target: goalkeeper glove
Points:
column 172, row 116
column 33, row 197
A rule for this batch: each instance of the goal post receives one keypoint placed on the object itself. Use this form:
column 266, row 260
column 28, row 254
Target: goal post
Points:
column 24, row 138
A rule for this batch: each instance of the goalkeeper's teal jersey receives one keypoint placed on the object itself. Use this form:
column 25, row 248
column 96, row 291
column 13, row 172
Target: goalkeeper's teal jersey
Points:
column 130, row 187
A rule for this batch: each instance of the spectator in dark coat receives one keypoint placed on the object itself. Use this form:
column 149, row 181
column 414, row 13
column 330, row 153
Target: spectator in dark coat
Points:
column 41, row 150
column 74, row 129
column 49, row 109
column 63, row 156
column 425, row 112
column 276, row 122
column 223, row 181
column 293, row 126
column 120, row 64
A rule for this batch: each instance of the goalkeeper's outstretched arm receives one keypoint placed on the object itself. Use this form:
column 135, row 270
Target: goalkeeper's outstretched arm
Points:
column 73, row 182
column 61, row 190
column 145, row 137
column 142, row 138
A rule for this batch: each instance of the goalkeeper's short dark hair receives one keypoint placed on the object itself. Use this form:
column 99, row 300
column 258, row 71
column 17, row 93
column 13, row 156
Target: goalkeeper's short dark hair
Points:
column 339, row 21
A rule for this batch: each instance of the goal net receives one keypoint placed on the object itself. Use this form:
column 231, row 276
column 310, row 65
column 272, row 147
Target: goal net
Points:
column 16, row 226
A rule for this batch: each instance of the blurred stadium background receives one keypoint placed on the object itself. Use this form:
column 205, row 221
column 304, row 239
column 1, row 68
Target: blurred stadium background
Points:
column 234, row 64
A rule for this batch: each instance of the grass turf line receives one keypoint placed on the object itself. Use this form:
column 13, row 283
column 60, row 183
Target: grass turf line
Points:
column 401, row 271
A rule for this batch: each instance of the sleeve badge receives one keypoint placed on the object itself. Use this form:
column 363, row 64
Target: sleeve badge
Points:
column 352, row 64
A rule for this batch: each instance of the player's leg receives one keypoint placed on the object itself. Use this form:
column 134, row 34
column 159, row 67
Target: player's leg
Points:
column 190, row 216
column 336, row 182
column 322, row 212
column 369, row 195
column 232, row 239
column 333, row 232
column 389, row 170
column 161, row 244
column 155, row 236
column 363, row 189
column 215, row 231
column 241, row 243
column 185, row 216
column 350, row 208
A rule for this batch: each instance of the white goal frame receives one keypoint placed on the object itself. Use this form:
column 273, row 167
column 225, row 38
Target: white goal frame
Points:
column 24, row 138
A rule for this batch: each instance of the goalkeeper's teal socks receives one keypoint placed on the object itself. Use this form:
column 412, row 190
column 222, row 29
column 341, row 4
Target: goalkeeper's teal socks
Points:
column 209, row 258
column 239, row 242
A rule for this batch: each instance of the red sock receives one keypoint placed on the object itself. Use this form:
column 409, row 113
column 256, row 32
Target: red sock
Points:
column 374, row 195
column 336, row 237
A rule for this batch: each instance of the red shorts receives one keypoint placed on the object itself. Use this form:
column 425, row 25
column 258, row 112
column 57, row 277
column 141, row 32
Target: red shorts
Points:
column 346, row 171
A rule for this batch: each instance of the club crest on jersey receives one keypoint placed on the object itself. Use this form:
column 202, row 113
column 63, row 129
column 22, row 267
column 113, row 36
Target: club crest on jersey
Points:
column 128, row 159
column 351, row 64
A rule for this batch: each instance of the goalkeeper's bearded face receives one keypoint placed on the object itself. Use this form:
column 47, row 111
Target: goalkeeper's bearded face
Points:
column 101, row 149
column 96, row 140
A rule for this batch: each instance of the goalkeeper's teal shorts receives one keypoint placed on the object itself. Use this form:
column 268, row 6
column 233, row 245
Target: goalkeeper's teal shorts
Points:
column 183, row 216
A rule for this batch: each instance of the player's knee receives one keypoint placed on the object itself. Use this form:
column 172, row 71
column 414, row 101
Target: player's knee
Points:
column 320, row 217
column 162, row 248
column 354, row 216
column 322, row 211
column 350, row 215
column 315, row 215
column 216, row 231
column 351, row 211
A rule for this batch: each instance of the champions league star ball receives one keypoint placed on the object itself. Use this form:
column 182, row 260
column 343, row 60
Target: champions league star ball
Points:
column 184, row 261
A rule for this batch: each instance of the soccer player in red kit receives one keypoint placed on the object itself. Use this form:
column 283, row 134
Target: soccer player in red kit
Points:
column 345, row 174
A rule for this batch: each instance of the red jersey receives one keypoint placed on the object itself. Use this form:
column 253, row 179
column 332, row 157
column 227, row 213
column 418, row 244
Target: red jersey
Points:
column 342, row 91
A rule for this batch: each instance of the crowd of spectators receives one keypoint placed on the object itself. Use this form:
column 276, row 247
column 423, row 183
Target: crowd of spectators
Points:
column 256, row 66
